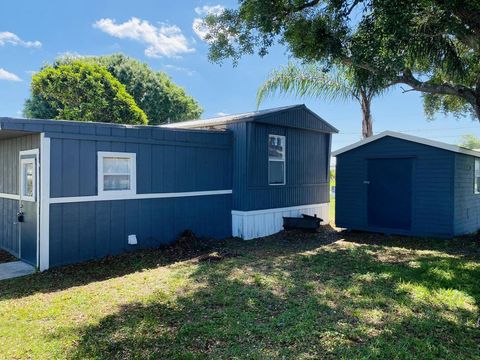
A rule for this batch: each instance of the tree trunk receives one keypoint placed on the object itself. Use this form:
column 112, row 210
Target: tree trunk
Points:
column 367, row 122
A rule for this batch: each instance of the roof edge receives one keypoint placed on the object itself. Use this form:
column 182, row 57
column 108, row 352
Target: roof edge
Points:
column 412, row 138
column 248, row 116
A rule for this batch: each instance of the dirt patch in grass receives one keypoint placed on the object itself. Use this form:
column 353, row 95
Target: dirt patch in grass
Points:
column 6, row 257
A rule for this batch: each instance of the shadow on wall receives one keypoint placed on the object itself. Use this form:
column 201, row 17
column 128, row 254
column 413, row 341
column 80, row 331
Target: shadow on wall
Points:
column 338, row 301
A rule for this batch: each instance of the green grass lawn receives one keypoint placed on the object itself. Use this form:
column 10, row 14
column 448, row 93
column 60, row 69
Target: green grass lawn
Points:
column 293, row 296
column 332, row 211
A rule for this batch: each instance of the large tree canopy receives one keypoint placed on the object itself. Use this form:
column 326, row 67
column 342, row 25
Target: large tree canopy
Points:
column 154, row 92
column 84, row 92
column 431, row 45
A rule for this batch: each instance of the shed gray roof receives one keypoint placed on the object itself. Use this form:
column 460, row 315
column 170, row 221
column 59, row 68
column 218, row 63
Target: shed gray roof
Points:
column 415, row 139
column 275, row 116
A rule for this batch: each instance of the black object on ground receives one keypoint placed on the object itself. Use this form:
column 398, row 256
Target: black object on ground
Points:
column 306, row 222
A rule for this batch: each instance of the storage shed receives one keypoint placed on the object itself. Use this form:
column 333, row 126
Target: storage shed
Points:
column 401, row 184
column 73, row 191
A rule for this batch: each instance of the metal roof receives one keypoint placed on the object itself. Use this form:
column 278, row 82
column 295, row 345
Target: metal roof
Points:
column 293, row 116
column 415, row 139
column 249, row 116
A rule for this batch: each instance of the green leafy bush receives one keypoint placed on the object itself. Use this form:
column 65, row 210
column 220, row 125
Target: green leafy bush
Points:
column 83, row 92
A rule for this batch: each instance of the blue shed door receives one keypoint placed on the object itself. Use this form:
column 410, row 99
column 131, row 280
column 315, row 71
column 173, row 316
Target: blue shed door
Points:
column 390, row 193
column 28, row 206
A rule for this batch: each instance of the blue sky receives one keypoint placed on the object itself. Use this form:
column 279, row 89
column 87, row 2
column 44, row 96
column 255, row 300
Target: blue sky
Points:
column 161, row 34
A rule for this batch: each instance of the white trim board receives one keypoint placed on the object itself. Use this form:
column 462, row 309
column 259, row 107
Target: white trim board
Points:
column 258, row 223
column 415, row 139
column 9, row 196
column 76, row 199
column 44, row 198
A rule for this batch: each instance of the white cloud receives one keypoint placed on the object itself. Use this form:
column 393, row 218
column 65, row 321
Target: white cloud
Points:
column 12, row 39
column 221, row 113
column 199, row 27
column 207, row 10
column 181, row 69
column 164, row 40
column 8, row 76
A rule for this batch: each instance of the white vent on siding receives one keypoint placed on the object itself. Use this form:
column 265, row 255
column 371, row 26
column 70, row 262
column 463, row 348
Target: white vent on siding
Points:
column 132, row 240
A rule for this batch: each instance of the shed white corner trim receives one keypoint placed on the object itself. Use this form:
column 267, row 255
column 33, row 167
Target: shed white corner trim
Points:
column 415, row 139
column 44, row 241
column 258, row 223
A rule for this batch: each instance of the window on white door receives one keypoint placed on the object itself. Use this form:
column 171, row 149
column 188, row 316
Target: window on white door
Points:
column 27, row 181
column 116, row 173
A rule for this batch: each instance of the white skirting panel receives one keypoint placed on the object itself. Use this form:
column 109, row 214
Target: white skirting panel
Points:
column 253, row 224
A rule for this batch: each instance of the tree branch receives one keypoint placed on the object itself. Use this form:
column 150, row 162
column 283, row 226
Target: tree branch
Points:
column 406, row 90
column 469, row 95
column 354, row 4
column 442, row 89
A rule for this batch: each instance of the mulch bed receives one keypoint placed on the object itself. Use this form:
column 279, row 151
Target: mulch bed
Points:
column 189, row 246
column 6, row 257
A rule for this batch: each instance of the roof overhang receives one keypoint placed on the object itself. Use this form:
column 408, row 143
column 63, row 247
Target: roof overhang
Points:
column 10, row 134
column 415, row 139
column 261, row 116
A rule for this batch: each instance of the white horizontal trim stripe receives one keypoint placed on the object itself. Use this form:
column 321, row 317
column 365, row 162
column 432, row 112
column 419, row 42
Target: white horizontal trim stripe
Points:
column 9, row 196
column 411, row 138
column 266, row 211
column 76, row 199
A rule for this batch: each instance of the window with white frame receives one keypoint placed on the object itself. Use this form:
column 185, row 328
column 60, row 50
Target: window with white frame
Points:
column 276, row 160
column 116, row 173
column 27, row 180
column 476, row 182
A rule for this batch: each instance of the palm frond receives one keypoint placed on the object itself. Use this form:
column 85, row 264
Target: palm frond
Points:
column 306, row 81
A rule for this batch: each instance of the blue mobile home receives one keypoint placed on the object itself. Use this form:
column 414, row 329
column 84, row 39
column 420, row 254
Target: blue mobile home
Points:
column 73, row 191
column 402, row 184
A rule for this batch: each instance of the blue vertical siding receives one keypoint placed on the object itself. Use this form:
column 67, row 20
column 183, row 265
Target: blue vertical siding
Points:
column 160, row 168
column 239, row 160
column 187, row 162
column 433, row 186
column 299, row 117
column 9, row 172
column 307, row 168
column 83, row 231
column 467, row 203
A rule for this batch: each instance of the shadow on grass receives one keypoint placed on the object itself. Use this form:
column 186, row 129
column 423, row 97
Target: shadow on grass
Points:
column 306, row 302
column 117, row 266
column 462, row 245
